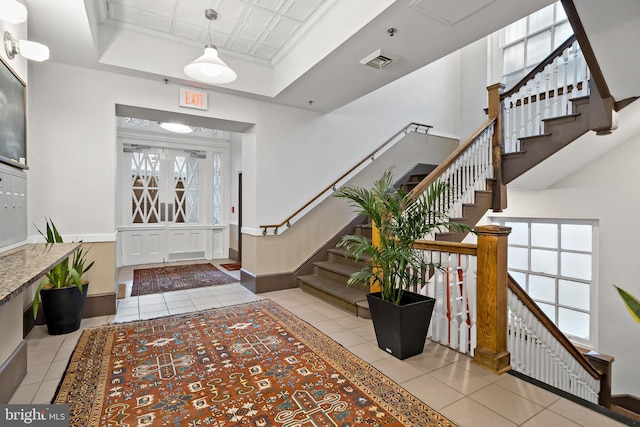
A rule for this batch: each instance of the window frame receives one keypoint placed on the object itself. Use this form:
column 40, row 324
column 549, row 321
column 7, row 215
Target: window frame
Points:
column 592, row 342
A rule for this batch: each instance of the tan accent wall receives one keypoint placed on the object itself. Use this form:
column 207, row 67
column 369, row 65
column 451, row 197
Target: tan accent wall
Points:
column 268, row 255
column 11, row 332
column 102, row 277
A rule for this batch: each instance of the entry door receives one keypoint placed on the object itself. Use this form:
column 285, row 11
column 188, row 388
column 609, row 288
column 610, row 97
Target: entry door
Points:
column 162, row 205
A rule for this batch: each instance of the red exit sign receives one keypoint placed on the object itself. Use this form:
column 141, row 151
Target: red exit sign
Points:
column 191, row 98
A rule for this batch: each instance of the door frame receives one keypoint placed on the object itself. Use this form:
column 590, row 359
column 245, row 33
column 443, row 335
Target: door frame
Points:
column 216, row 244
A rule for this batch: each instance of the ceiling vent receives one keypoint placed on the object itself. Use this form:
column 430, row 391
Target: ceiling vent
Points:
column 377, row 59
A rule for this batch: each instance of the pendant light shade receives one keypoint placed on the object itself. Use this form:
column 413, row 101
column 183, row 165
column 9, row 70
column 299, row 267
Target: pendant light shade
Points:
column 209, row 68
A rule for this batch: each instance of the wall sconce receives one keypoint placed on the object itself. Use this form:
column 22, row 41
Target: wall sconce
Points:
column 30, row 50
column 13, row 12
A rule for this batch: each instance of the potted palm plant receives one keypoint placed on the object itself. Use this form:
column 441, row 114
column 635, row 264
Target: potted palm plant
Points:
column 63, row 293
column 400, row 317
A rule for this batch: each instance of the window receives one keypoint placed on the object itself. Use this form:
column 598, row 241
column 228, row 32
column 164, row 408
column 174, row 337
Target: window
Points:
column 527, row 42
column 553, row 261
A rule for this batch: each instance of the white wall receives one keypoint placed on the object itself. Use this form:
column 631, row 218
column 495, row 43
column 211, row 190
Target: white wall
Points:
column 605, row 190
column 287, row 157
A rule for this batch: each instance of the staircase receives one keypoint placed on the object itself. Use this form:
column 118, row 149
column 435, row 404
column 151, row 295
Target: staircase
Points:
column 558, row 133
column 329, row 278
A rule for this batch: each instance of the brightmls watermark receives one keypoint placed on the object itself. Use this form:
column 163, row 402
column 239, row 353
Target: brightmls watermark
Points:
column 34, row 415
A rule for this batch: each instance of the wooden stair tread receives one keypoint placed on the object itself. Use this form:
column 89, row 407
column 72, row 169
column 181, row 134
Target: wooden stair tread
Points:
column 336, row 267
column 352, row 294
column 342, row 252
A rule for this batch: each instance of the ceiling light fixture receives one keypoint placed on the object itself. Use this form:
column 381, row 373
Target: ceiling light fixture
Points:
column 13, row 12
column 209, row 68
column 30, row 50
column 175, row 127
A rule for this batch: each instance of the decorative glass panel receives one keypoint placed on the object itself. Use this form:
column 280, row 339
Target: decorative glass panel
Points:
column 518, row 258
column 186, row 202
column 513, row 58
column 544, row 235
column 549, row 310
column 515, row 31
column 576, row 237
column 574, row 294
column 519, row 233
column 538, row 48
column 574, row 322
column 542, row 288
column 575, row 265
column 145, row 182
column 217, row 188
column 544, row 261
column 541, row 19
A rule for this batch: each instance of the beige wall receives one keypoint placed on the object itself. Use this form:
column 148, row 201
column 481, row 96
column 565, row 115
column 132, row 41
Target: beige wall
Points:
column 102, row 277
column 11, row 332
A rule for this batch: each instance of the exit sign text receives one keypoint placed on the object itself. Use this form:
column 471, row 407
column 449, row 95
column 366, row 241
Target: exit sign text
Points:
column 191, row 98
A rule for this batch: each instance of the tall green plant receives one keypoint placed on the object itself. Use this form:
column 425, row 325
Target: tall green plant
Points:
column 631, row 302
column 61, row 276
column 401, row 220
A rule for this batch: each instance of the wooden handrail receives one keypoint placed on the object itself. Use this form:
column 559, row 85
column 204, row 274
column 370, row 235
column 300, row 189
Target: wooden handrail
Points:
column 587, row 50
column 551, row 327
column 451, row 247
column 430, row 179
column 331, row 186
column 548, row 60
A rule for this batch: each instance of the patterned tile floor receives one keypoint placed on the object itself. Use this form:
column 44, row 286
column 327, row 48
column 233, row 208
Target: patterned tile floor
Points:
column 442, row 378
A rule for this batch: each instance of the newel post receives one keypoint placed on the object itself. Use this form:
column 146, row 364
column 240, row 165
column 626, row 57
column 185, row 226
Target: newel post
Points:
column 495, row 112
column 491, row 350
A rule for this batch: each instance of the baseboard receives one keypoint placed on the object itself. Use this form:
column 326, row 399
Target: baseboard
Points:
column 100, row 305
column 234, row 255
column 267, row 283
column 96, row 305
column 13, row 371
column 601, row 409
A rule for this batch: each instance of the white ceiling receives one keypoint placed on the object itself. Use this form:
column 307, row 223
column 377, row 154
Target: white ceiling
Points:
column 295, row 51
column 284, row 51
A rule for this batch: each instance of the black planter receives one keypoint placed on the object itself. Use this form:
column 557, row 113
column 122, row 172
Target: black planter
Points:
column 63, row 308
column 401, row 329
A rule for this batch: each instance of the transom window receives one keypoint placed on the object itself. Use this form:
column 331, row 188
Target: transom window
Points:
column 526, row 42
column 553, row 261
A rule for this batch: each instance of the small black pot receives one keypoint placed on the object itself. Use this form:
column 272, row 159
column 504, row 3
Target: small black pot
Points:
column 63, row 308
column 401, row 329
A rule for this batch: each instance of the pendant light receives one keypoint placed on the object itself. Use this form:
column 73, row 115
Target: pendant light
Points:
column 209, row 68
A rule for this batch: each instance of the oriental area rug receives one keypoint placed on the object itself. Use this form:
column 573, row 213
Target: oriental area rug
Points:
column 253, row 364
column 176, row 278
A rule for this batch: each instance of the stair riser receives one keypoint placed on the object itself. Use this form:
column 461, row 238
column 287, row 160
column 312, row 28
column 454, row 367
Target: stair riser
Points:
column 345, row 260
column 363, row 230
column 322, row 272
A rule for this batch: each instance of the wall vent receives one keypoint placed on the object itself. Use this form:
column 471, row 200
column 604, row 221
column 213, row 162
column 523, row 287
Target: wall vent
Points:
column 377, row 59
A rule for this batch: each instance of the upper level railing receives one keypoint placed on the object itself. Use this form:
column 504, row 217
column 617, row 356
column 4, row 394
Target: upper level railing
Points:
column 327, row 191
column 465, row 171
column 545, row 92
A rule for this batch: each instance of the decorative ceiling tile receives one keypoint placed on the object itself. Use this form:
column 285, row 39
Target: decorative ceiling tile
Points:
column 301, row 10
column 263, row 52
column 275, row 41
column 239, row 45
column 273, row 5
column 187, row 31
column 249, row 32
column 254, row 30
column 286, row 26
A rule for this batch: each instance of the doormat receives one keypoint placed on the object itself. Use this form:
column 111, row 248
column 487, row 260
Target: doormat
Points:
column 176, row 278
column 253, row 364
column 232, row 266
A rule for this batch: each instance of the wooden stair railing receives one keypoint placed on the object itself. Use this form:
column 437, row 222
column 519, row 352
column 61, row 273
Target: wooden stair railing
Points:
column 541, row 351
column 411, row 127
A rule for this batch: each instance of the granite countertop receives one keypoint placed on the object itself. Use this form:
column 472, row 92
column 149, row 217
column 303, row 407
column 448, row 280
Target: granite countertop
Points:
column 22, row 266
